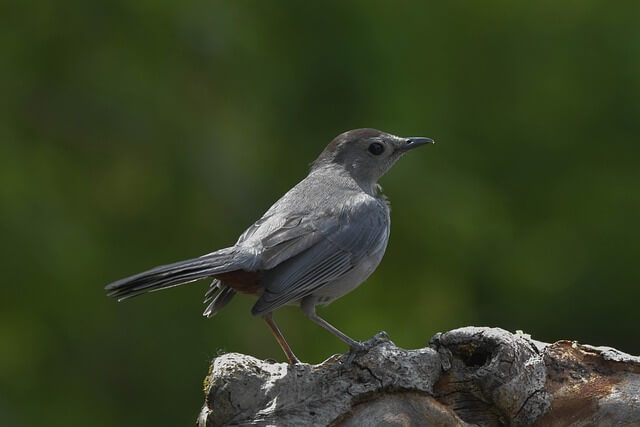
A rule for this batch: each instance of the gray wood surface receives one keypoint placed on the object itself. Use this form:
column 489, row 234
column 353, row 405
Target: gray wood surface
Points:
column 468, row 376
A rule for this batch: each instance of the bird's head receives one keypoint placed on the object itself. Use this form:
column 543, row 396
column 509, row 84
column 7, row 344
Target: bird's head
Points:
column 366, row 154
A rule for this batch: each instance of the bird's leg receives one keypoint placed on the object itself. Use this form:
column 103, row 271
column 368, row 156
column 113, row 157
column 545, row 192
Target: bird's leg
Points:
column 280, row 338
column 308, row 306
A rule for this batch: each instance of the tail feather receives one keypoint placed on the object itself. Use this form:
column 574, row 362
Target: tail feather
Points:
column 214, row 289
column 218, row 295
column 167, row 276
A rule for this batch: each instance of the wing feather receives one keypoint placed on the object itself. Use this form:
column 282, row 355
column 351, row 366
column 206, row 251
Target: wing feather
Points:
column 334, row 246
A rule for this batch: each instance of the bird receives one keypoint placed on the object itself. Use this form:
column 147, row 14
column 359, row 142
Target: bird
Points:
column 318, row 242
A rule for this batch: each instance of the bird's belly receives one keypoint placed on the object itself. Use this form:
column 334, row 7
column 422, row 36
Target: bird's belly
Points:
column 351, row 280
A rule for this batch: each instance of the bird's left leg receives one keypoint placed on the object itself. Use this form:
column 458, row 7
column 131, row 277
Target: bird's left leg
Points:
column 280, row 338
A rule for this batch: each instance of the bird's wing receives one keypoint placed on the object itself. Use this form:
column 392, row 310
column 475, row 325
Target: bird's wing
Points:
column 329, row 246
column 295, row 235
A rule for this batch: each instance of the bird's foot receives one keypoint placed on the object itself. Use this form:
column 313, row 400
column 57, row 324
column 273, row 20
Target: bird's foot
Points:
column 293, row 360
column 357, row 346
column 381, row 336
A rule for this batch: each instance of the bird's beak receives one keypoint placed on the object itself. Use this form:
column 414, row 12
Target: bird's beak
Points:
column 415, row 141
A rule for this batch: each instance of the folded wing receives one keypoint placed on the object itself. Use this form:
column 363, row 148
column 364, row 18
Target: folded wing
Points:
column 318, row 250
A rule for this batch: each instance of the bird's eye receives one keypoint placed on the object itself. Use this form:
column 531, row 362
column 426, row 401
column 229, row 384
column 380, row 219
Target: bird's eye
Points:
column 376, row 148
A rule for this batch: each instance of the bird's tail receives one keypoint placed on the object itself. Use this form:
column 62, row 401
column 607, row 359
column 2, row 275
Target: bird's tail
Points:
column 179, row 273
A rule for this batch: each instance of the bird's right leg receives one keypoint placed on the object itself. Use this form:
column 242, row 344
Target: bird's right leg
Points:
column 280, row 338
column 308, row 306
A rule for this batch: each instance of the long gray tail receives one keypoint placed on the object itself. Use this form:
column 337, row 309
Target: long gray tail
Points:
column 179, row 273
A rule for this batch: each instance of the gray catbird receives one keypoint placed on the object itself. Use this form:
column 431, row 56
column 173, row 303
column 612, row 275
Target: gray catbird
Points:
column 318, row 242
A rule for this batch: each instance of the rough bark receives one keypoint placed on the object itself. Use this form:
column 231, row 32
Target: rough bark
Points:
column 468, row 376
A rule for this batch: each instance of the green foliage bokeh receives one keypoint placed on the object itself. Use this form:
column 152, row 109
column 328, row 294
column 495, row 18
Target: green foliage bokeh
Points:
column 134, row 134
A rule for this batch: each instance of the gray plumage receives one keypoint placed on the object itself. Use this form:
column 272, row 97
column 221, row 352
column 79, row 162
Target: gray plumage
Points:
column 319, row 241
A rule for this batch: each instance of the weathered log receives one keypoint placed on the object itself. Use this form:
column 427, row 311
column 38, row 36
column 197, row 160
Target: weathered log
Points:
column 468, row 376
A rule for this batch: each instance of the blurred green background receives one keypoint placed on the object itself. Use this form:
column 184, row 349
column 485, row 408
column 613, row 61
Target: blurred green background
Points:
column 139, row 133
